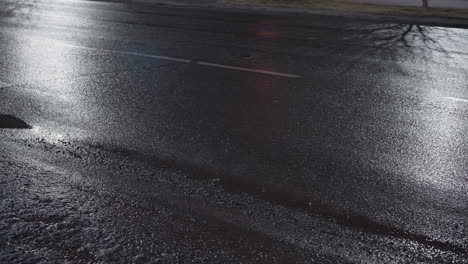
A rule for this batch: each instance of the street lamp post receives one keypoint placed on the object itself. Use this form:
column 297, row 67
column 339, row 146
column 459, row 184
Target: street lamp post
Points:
column 425, row 4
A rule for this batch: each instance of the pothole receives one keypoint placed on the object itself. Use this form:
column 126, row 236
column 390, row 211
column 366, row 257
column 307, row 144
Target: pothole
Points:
column 9, row 121
column 241, row 55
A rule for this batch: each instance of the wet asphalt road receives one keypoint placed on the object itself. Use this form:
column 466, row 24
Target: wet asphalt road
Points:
column 193, row 134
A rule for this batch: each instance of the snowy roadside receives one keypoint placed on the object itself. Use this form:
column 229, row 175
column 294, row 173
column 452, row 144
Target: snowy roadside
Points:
column 43, row 215
column 67, row 201
column 51, row 214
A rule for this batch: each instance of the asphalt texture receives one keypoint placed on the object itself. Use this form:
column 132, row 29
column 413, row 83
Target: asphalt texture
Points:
column 155, row 134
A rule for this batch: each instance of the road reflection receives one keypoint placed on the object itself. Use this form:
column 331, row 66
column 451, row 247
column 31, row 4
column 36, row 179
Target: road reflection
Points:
column 438, row 128
column 46, row 73
column 424, row 132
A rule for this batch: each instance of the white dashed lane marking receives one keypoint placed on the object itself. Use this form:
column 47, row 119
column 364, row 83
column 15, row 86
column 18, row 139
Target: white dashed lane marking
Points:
column 209, row 64
column 456, row 99
column 247, row 69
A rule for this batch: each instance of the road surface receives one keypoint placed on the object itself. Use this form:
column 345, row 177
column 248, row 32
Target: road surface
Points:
column 176, row 135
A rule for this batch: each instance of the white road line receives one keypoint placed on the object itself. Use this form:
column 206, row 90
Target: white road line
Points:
column 457, row 99
column 248, row 69
column 158, row 57
column 189, row 61
column 131, row 53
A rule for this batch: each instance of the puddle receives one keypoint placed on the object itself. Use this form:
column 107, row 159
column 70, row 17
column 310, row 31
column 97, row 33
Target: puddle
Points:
column 8, row 121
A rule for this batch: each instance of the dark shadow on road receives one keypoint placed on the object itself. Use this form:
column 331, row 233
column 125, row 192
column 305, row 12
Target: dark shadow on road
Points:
column 397, row 42
column 8, row 121
column 20, row 9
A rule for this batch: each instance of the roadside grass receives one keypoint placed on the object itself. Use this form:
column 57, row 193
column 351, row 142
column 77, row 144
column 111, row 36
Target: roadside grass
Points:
column 355, row 7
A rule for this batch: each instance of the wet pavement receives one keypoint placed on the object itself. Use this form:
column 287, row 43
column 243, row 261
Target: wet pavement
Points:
column 177, row 134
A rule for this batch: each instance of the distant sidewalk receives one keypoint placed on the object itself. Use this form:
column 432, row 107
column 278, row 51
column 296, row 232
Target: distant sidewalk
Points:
column 452, row 13
column 176, row 2
column 458, row 4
